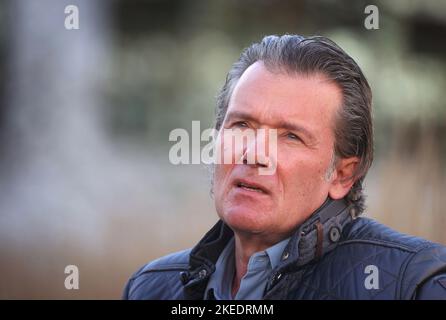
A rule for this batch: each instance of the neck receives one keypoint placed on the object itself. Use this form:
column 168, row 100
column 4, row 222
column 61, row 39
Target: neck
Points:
column 245, row 247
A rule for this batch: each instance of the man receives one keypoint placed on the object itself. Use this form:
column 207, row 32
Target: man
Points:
column 296, row 233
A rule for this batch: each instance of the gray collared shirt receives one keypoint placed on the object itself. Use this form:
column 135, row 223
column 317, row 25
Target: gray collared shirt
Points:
column 253, row 283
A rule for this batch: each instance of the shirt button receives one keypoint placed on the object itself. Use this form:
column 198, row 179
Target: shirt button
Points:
column 285, row 255
column 279, row 276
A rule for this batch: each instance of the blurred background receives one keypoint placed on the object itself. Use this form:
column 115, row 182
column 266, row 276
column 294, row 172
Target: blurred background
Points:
column 85, row 117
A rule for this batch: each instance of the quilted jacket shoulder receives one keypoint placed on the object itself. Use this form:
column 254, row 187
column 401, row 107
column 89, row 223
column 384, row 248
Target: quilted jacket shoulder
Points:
column 400, row 264
column 159, row 279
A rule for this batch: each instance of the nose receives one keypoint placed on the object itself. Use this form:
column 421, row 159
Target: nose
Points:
column 251, row 157
column 254, row 151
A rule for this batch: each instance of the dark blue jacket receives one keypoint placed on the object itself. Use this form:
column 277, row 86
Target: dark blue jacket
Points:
column 330, row 256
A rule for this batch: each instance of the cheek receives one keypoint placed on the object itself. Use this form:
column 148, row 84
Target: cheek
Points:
column 301, row 176
column 221, row 173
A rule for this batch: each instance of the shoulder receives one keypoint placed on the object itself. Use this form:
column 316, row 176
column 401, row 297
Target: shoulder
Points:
column 411, row 261
column 159, row 279
column 368, row 231
column 373, row 261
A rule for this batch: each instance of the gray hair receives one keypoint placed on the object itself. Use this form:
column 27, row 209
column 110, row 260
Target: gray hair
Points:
column 308, row 55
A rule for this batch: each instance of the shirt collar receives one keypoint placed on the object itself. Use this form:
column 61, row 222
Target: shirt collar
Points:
column 263, row 261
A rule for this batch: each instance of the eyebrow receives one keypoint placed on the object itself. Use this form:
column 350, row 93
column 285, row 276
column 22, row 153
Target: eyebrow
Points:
column 280, row 124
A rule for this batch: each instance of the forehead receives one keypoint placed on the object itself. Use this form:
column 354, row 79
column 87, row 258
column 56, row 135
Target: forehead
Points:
column 270, row 96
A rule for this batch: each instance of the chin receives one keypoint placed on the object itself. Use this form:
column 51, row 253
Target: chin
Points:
column 245, row 220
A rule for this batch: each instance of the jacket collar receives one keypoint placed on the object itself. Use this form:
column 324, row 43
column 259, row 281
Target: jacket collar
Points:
column 318, row 235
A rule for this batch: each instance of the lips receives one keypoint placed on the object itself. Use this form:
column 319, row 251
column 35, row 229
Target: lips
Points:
column 250, row 186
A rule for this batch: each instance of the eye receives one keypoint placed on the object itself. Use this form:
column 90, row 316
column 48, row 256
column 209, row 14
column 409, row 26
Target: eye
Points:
column 292, row 136
column 240, row 124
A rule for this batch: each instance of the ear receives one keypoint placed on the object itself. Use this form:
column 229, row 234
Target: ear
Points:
column 342, row 178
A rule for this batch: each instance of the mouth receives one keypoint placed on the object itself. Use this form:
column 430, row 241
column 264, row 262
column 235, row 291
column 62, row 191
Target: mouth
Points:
column 249, row 186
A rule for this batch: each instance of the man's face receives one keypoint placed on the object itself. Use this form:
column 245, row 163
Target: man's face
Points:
column 302, row 109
